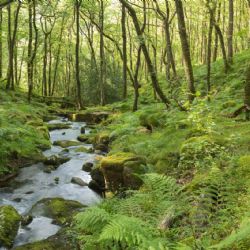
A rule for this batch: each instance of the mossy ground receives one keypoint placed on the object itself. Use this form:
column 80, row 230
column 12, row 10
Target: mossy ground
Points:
column 22, row 132
column 206, row 152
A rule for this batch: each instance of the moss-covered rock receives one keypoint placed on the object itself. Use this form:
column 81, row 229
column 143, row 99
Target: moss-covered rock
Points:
column 59, row 209
column 89, row 117
column 55, row 160
column 101, row 141
column 85, row 138
column 60, row 241
column 9, row 224
column 120, row 170
column 56, row 126
column 81, row 150
column 66, row 144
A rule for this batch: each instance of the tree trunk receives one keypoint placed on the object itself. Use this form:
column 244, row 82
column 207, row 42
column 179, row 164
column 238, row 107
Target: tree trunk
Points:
column 230, row 31
column 150, row 65
column 216, row 35
column 45, row 61
column 124, row 49
column 102, row 60
column 77, row 72
column 1, row 45
column 185, row 49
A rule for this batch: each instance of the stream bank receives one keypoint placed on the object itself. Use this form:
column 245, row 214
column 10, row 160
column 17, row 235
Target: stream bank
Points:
column 34, row 183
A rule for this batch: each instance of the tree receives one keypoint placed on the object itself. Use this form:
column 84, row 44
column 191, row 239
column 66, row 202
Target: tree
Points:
column 1, row 44
column 77, row 49
column 150, row 65
column 230, row 31
column 124, row 50
column 185, row 49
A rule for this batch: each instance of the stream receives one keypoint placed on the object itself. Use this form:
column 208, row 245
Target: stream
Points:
column 32, row 184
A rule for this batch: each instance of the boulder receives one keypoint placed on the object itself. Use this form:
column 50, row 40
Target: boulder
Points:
column 49, row 169
column 55, row 160
column 120, row 171
column 84, row 138
column 81, row 150
column 59, row 241
column 87, row 166
column 89, row 117
column 98, row 182
column 26, row 220
column 60, row 210
column 57, row 126
column 9, row 225
column 83, row 130
column 78, row 181
column 66, row 144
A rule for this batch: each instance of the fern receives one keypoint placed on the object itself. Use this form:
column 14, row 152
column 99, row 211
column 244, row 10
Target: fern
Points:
column 92, row 220
column 132, row 232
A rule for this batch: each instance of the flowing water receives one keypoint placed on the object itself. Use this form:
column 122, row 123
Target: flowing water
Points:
column 32, row 185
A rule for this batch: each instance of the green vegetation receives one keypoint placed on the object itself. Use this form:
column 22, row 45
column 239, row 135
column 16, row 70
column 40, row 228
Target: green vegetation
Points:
column 163, row 88
column 23, row 134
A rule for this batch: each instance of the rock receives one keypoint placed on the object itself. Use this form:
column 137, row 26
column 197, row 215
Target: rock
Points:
column 83, row 130
column 55, row 160
column 9, row 224
column 66, row 144
column 87, row 166
column 56, row 179
column 96, row 187
column 120, row 171
column 64, row 133
column 49, row 169
column 81, row 150
column 78, row 181
column 60, row 210
column 89, row 117
column 57, row 126
column 18, row 199
column 98, row 182
column 29, row 192
column 84, row 138
column 26, row 220
column 101, row 142
column 59, row 241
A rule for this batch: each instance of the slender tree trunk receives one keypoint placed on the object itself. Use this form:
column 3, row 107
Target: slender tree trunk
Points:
column 1, row 44
column 50, row 67
column 20, row 68
column 230, row 31
column 58, row 56
column 145, row 51
column 216, row 35
column 77, row 70
column 10, row 65
column 102, row 59
column 209, row 53
column 45, row 61
column 185, row 49
column 31, row 49
column 124, row 49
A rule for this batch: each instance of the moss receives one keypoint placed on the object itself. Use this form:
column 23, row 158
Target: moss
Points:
column 58, row 209
column 66, row 144
column 9, row 224
column 56, row 126
column 120, row 170
column 85, row 138
column 244, row 164
column 81, row 150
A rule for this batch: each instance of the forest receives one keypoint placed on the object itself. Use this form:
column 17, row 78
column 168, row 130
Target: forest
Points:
column 124, row 124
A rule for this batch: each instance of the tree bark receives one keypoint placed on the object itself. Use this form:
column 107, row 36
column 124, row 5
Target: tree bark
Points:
column 247, row 93
column 124, row 49
column 150, row 65
column 230, row 31
column 185, row 49
column 77, row 48
column 102, row 59
column 1, row 45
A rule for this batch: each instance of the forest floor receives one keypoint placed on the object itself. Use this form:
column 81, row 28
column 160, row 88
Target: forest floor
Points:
column 204, row 151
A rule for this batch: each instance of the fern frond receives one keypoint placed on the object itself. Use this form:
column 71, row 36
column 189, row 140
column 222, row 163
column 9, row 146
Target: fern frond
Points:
column 92, row 220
